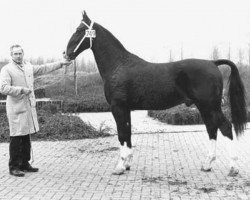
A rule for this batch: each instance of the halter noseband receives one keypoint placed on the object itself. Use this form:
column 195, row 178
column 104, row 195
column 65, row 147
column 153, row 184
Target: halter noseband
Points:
column 88, row 34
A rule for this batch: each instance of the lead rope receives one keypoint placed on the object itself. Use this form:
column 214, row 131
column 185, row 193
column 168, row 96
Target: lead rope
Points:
column 31, row 150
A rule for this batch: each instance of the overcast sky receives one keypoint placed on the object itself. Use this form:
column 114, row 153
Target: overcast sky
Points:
column 147, row 28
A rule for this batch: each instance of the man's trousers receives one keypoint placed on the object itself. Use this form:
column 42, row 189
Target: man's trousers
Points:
column 19, row 151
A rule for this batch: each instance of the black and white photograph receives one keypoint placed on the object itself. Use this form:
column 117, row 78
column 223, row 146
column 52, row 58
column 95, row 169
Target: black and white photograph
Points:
column 124, row 100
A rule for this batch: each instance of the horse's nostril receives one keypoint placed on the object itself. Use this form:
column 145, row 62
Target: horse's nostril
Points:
column 68, row 57
column 65, row 55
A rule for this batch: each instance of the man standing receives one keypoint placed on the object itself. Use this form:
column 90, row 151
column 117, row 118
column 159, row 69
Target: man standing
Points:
column 17, row 82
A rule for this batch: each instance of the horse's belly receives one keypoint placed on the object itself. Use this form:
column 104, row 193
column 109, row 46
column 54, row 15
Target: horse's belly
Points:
column 157, row 101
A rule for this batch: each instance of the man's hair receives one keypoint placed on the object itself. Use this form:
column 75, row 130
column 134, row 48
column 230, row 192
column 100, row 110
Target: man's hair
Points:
column 15, row 46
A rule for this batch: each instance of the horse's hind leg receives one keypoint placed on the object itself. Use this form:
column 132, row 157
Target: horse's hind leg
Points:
column 123, row 121
column 211, row 120
column 226, row 130
column 210, row 158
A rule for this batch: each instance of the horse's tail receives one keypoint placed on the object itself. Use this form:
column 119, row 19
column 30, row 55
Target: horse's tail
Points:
column 237, row 98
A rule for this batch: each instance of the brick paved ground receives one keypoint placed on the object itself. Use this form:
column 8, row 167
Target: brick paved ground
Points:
column 166, row 166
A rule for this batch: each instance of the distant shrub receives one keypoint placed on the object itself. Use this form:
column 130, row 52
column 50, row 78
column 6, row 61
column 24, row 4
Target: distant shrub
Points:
column 39, row 93
column 87, row 104
column 90, row 96
column 179, row 115
column 2, row 109
column 56, row 126
column 182, row 115
column 2, row 96
column 64, row 127
column 4, row 127
column 50, row 108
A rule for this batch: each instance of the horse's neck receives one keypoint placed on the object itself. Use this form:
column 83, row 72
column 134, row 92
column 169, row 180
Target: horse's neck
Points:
column 108, row 52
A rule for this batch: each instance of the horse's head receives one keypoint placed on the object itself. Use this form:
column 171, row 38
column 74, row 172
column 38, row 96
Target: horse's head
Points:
column 81, row 39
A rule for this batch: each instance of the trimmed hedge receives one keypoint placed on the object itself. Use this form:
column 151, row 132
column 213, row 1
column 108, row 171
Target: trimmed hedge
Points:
column 93, row 100
column 90, row 96
column 182, row 115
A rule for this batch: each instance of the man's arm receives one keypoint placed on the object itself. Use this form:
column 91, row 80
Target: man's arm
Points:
column 46, row 68
column 50, row 67
column 5, row 85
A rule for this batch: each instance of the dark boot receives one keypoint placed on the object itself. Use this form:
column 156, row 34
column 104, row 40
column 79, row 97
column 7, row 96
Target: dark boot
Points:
column 29, row 168
column 17, row 172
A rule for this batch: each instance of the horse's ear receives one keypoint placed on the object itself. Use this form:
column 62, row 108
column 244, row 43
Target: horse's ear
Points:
column 84, row 13
column 85, row 16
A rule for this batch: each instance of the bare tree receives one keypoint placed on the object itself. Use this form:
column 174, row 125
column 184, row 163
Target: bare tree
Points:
column 170, row 56
column 65, row 78
column 241, row 57
column 182, row 52
column 249, row 55
column 75, row 78
column 215, row 53
column 229, row 52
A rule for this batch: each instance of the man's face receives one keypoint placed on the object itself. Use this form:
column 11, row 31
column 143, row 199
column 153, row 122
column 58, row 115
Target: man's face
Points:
column 17, row 54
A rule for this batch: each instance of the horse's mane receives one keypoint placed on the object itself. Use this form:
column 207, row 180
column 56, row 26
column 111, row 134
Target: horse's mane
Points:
column 109, row 37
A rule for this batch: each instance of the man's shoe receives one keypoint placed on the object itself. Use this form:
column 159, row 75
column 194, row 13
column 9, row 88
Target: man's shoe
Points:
column 30, row 169
column 17, row 172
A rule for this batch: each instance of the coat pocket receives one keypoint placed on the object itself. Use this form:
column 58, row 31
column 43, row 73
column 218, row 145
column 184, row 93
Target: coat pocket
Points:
column 17, row 105
column 19, row 124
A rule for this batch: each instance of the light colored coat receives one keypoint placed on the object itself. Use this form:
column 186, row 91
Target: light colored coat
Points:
column 21, row 109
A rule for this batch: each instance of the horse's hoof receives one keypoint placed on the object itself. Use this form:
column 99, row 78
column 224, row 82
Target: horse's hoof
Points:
column 233, row 172
column 118, row 172
column 206, row 170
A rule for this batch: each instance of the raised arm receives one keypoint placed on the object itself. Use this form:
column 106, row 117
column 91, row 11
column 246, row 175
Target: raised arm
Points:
column 50, row 67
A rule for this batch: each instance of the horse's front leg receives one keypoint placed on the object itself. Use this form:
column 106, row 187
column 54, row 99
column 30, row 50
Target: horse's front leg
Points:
column 123, row 121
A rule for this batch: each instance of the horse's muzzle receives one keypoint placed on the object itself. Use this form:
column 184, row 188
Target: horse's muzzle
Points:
column 65, row 56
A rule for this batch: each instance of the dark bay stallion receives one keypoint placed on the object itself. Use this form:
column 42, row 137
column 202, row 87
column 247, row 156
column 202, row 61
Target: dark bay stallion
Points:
column 131, row 83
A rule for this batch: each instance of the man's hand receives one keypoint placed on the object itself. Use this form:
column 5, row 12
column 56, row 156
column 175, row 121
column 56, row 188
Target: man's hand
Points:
column 66, row 62
column 25, row 91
